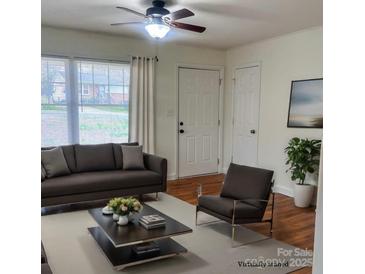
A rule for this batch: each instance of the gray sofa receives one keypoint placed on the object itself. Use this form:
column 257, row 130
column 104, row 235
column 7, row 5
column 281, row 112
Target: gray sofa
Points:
column 97, row 173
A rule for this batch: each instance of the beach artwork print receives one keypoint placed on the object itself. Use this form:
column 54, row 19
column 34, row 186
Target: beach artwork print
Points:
column 306, row 104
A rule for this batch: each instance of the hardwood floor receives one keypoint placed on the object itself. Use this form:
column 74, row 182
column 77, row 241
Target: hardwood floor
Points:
column 291, row 225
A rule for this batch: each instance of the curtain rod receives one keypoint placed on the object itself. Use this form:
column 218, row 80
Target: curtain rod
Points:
column 156, row 58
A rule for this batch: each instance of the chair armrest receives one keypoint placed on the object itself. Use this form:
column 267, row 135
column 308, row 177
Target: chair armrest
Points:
column 158, row 165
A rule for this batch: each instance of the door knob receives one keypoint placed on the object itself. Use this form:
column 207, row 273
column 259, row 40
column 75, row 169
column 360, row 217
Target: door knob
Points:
column 253, row 131
column 181, row 131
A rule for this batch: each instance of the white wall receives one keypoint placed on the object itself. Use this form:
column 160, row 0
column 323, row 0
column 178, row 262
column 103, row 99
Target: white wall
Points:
column 283, row 59
column 95, row 45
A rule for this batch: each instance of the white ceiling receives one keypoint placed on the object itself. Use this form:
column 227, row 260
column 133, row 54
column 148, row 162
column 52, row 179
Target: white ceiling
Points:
column 229, row 23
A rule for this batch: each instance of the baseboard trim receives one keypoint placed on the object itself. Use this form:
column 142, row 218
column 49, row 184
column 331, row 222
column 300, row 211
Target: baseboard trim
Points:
column 284, row 190
column 171, row 177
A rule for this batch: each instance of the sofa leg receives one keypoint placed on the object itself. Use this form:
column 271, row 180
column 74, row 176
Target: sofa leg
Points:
column 156, row 197
column 140, row 197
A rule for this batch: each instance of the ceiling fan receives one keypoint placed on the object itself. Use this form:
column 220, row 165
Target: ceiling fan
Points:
column 158, row 20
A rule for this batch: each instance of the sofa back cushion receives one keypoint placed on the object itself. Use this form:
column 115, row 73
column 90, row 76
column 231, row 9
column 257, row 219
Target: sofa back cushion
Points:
column 69, row 153
column 94, row 157
column 54, row 162
column 118, row 155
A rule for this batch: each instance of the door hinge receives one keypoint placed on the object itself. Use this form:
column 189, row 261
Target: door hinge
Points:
column 219, row 122
column 218, row 161
column 220, row 81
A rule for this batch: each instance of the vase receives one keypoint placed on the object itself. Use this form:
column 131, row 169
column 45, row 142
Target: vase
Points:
column 130, row 217
column 303, row 195
column 123, row 220
column 115, row 217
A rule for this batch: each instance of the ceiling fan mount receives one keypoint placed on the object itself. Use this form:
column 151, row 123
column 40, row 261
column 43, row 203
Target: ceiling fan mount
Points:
column 159, row 20
column 158, row 9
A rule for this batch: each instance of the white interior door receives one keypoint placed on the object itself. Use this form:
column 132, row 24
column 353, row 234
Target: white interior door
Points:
column 246, row 109
column 198, row 121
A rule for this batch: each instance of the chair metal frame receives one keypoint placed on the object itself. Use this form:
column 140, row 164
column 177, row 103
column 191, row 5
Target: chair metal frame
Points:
column 235, row 202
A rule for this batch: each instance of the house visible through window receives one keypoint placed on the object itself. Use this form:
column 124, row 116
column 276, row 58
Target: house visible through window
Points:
column 91, row 109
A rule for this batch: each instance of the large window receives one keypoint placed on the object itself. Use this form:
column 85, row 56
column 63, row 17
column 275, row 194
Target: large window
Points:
column 92, row 108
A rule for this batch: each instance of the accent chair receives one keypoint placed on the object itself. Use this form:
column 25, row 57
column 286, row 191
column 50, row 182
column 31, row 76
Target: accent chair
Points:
column 244, row 197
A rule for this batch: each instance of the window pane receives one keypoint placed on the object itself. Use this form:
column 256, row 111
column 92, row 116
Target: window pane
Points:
column 56, row 71
column 116, row 75
column 118, row 95
column 53, row 102
column 100, row 74
column 102, row 106
column 86, row 73
column 103, row 124
column 54, row 125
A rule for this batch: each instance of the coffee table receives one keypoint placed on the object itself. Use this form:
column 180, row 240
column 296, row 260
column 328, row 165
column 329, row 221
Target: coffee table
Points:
column 117, row 241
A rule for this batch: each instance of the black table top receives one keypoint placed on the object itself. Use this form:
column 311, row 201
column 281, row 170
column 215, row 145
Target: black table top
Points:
column 134, row 233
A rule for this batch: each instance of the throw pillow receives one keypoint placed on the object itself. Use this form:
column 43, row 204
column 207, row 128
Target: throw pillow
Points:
column 132, row 157
column 54, row 162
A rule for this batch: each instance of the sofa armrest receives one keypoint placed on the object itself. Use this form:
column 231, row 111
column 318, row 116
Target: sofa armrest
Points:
column 156, row 164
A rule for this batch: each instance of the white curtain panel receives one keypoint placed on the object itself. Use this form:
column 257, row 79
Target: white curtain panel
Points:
column 142, row 114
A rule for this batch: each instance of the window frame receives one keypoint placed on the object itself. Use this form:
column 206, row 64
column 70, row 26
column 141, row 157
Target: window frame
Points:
column 72, row 91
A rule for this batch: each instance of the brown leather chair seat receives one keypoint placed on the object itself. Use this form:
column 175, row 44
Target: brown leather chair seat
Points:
column 87, row 182
column 224, row 206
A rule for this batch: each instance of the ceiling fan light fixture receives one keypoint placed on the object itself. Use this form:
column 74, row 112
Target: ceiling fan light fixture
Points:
column 156, row 30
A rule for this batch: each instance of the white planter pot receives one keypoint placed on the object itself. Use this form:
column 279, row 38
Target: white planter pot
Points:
column 303, row 195
column 130, row 217
column 115, row 217
column 123, row 220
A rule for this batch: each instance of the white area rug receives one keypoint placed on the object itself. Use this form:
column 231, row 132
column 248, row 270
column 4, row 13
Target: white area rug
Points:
column 72, row 250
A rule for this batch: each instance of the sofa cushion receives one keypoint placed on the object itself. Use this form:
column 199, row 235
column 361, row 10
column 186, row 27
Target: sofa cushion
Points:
column 94, row 157
column 224, row 206
column 87, row 182
column 132, row 157
column 118, row 155
column 54, row 162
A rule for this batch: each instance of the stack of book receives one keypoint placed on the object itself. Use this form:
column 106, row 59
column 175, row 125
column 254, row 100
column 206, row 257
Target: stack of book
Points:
column 146, row 248
column 152, row 221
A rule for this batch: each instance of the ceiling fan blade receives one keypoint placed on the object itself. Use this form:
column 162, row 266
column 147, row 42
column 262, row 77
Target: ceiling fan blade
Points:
column 132, row 11
column 126, row 23
column 179, row 14
column 187, row 27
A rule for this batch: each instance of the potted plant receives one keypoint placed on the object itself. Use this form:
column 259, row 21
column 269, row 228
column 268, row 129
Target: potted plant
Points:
column 303, row 161
column 124, row 208
column 114, row 204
